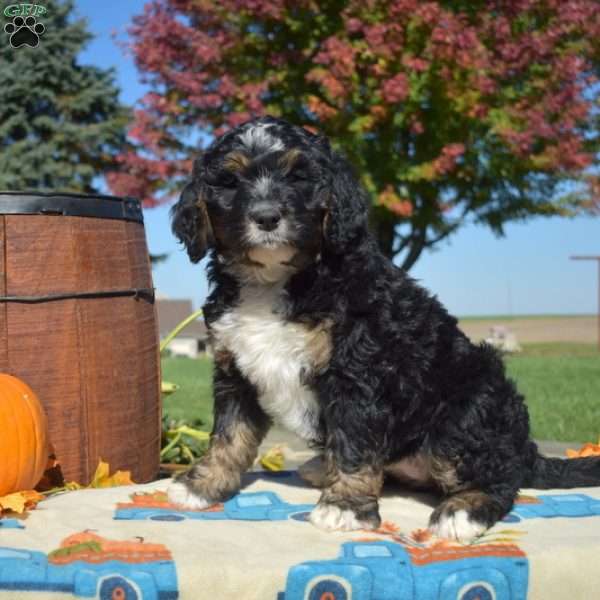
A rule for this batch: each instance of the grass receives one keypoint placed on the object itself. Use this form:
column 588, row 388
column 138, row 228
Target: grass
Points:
column 475, row 318
column 193, row 399
column 561, row 384
column 560, row 349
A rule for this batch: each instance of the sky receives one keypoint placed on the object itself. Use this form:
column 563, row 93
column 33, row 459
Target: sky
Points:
column 528, row 271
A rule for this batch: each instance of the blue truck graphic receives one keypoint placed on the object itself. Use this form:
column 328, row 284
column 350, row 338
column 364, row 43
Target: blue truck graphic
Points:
column 255, row 506
column 6, row 523
column 549, row 506
column 91, row 569
column 384, row 570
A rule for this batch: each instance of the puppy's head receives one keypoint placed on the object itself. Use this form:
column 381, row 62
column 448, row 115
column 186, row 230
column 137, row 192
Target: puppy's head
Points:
column 268, row 193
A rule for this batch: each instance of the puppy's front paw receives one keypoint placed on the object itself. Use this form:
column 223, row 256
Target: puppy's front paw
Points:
column 181, row 495
column 458, row 526
column 333, row 518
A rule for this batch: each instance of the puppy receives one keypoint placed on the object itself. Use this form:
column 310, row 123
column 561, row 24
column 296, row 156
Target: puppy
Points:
column 314, row 328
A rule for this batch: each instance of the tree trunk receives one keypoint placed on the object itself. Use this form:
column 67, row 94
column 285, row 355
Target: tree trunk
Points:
column 384, row 229
column 414, row 249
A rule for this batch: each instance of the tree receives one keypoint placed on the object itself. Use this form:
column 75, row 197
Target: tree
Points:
column 61, row 123
column 451, row 110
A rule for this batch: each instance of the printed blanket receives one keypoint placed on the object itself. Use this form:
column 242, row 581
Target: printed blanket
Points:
column 128, row 543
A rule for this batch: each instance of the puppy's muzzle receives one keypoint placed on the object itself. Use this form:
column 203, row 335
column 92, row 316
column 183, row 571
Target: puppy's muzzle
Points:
column 266, row 217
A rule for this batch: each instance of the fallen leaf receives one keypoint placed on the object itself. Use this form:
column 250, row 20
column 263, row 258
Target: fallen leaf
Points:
column 166, row 387
column 586, row 450
column 19, row 502
column 101, row 479
column 102, row 474
column 273, row 459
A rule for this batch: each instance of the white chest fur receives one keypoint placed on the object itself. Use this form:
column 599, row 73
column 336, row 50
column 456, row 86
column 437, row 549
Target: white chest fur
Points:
column 272, row 354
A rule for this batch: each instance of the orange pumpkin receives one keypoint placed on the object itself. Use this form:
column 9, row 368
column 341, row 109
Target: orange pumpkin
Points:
column 23, row 436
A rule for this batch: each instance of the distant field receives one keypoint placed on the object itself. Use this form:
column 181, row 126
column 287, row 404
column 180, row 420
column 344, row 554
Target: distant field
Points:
column 560, row 381
column 537, row 328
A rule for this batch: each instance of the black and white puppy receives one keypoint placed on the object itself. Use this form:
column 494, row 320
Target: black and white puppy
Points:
column 313, row 327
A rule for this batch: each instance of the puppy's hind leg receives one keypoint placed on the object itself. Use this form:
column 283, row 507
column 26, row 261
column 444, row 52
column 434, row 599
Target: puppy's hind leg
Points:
column 239, row 427
column 467, row 514
column 313, row 472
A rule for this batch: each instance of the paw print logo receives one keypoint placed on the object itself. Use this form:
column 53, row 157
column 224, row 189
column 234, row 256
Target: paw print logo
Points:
column 24, row 32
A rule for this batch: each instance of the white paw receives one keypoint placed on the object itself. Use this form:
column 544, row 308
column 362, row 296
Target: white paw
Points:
column 179, row 494
column 333, row 518
column 457, row 527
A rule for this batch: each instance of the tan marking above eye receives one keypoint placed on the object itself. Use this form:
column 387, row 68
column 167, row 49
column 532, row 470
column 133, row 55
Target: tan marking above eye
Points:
column 287, row 160
column 236, row 161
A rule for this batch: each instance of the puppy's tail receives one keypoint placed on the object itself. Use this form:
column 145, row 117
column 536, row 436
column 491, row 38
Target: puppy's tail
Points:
column 559, row 473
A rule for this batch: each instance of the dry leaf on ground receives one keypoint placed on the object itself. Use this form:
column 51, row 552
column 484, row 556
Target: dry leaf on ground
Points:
column 586, row 450
column 101, row 479
column 19, row 502
column 273, row 459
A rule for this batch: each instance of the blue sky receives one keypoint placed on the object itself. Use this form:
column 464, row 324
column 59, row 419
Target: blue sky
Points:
column 526, row 272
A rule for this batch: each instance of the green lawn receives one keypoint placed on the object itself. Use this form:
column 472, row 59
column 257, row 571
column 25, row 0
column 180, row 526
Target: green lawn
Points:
column 561, row 383
column 516, row 317
column 193, row 399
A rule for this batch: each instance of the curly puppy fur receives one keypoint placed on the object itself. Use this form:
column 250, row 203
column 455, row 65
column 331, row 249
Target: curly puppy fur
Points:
column 313, row 327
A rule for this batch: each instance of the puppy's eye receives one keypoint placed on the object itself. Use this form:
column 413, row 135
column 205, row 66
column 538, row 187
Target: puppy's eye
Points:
column 226, row 179
column 299, row 175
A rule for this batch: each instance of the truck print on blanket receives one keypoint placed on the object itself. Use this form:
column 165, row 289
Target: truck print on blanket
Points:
column 255, row 506
column 90, row 566
column 550, row 506
column 416, row 567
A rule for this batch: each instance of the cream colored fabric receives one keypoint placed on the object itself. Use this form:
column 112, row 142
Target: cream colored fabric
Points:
column 231, row 558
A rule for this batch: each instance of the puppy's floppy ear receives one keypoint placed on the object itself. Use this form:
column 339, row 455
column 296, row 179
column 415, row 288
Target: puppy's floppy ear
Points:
column 190, row 222
column 346, row 216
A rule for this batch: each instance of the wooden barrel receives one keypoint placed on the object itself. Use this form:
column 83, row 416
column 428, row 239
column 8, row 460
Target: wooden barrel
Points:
column 78, row 325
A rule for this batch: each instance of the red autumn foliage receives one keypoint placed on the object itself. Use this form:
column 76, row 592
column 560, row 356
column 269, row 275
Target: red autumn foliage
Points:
column 482, row 109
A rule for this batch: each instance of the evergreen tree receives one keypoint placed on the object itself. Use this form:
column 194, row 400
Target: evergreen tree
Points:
column 61, row 122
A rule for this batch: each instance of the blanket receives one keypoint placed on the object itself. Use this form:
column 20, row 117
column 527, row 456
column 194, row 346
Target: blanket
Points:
column 128, row 543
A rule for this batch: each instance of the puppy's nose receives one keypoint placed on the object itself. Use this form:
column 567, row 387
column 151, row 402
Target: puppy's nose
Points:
column 266, row 217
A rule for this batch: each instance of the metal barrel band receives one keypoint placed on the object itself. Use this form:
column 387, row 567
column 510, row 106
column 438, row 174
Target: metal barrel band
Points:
column 71, row 205
column 137, row 294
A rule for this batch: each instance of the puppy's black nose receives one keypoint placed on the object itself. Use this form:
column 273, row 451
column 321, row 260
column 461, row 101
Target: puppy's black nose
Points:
column 266, row 217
